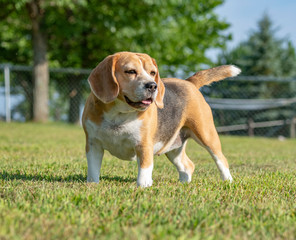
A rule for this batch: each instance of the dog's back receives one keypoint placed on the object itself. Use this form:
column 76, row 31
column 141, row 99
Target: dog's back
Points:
column 184, row 103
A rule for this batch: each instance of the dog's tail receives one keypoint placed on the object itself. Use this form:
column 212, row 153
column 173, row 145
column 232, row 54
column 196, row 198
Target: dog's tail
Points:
column 215, row 74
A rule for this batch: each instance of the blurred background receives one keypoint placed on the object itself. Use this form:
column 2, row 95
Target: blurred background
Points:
column 48, row 48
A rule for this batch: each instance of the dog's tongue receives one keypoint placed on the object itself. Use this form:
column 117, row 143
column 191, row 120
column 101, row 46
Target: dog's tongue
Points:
column 147, row 101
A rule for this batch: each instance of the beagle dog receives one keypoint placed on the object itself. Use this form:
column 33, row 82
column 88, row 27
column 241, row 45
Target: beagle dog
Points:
column 134, row 114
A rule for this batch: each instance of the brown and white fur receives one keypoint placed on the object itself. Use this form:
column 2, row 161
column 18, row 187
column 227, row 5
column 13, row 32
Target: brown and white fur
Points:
column 134, row 114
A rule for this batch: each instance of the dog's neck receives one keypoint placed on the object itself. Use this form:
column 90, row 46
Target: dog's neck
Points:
column 120, row 113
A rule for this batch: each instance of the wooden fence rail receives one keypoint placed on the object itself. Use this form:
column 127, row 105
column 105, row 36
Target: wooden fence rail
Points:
column 251, row 125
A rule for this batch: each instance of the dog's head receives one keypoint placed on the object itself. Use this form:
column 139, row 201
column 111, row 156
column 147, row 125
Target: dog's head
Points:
column 130, row 77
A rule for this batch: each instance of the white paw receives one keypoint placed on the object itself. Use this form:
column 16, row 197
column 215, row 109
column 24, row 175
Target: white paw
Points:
column 93, row 179
column 145, row 183
column 224, row 171
column 145, row 177
column 184, row 177
column 226, row 176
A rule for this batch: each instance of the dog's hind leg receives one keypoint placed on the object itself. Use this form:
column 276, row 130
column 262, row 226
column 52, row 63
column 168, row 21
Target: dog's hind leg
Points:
column 221, row 163
column 203, row 131
column 181, row 161
column 211, row 142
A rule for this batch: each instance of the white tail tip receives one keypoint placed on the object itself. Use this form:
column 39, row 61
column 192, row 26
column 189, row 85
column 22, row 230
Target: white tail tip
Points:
column 234, row 71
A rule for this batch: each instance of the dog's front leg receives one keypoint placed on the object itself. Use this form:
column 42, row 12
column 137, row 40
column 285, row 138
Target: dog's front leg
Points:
column 145, row 166
column 94, row 155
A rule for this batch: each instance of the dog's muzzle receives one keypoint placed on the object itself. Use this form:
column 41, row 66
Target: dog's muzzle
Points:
column 150, row 90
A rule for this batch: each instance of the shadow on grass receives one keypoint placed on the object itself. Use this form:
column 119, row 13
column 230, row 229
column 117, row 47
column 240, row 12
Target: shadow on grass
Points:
column 118, row 178
column 41, row 177
column 50, row 178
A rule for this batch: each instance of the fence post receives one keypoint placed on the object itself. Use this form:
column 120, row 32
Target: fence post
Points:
column 7, row 92
column 250, row 127
column 292, row 128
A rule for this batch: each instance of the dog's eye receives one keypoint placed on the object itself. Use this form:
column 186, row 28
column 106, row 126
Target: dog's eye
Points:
column 152, row 73
column 131, row 71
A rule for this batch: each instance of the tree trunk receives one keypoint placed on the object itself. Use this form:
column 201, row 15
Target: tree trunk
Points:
column 40, row 71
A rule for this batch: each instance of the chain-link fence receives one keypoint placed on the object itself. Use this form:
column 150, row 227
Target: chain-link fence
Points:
column 68, row 90
column 260, row 106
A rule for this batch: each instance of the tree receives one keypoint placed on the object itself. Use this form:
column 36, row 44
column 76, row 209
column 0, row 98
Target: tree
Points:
column 40, row 70
column 26, row 28
column 81, row 33
column 28, row 24
column 263, row 53
column 174, row 33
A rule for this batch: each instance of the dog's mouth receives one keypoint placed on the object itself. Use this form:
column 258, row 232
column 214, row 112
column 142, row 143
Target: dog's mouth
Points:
column 142, row 104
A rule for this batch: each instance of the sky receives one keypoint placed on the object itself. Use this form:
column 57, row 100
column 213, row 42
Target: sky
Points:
column 243, row 16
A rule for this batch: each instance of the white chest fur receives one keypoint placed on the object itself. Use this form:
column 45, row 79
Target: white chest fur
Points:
column 119, row 134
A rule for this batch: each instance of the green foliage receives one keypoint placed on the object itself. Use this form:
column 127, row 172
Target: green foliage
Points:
column 44, row 194
column 263, row 53
column 82, row 33
column 15, row 45
column 79, row 34
column 289, row 61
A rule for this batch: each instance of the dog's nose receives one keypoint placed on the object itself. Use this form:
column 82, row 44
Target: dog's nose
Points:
column 151, row 86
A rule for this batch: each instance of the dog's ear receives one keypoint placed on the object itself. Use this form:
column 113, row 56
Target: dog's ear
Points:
column 160, row 88
column 102, row 80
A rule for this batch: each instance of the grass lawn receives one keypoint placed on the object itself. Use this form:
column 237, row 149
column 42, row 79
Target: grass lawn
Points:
column 44, row 194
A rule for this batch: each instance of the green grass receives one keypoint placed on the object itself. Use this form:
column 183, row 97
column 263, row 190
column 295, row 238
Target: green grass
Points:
column 44, row 194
